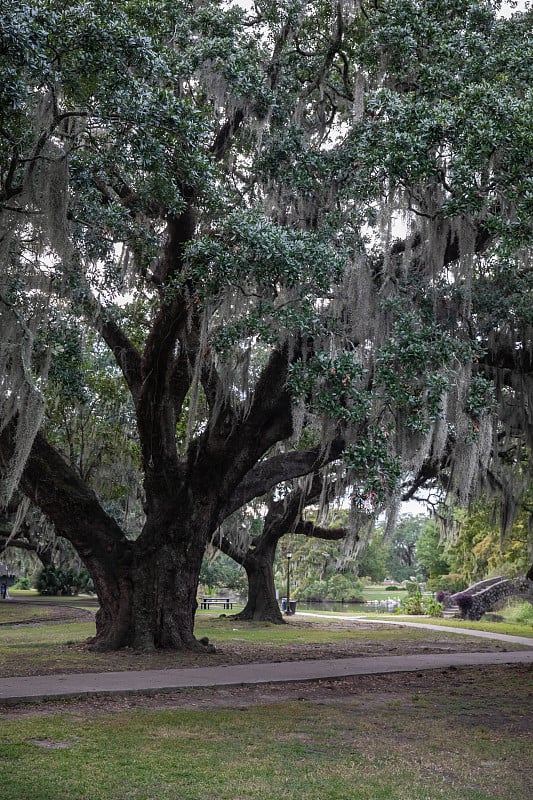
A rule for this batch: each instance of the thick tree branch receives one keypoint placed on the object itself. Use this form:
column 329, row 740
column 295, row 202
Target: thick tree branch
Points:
column 57, row 490
column 277, row 469
column 162, row 380
column 281, row 517
column 237, row 443
column 318, row 532
column 224, row 137
column 126, row 355
column 21, row 544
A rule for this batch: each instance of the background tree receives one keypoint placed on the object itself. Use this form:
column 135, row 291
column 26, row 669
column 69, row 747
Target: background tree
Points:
column 402, row 562
column 373, row 561
column 320, row 571
column 431, row 551
column 213, row 192
column 220, row 572
column 255, row 545
column 478, row 550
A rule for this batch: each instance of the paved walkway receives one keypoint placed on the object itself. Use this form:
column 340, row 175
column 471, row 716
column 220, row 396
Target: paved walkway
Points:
column 40, row 687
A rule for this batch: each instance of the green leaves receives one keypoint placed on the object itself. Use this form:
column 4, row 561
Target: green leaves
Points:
column 332, row 386
column 250, row 252
column 375, row 468
column 294, row 141
column 481, row 397
column 413, row 368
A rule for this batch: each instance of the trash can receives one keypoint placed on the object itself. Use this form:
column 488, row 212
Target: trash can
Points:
column 292, row 606
column 284, row 604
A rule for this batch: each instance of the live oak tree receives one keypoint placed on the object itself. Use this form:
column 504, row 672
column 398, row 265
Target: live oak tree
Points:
column 255, row 550
column 301, row 230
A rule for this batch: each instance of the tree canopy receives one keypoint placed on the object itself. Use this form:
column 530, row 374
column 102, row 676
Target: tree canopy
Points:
column 302, row 232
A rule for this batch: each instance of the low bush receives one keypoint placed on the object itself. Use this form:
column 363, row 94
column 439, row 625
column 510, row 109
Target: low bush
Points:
column 56, row 581
column 338, row 588
column 313, row 591
column 22, row 583
column 419, row 604
column 465, row 601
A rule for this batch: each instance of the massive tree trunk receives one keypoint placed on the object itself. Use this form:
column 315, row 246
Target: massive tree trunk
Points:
column 146, row 588
column 262, row 603
column 152, row 603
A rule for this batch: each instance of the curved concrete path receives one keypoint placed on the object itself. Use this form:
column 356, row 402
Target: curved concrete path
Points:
column 500, row 637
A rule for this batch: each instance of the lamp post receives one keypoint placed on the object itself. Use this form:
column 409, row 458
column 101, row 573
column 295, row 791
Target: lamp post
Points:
column 288, row 608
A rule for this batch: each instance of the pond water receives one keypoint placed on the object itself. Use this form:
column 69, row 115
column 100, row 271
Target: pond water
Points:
column 383, row 606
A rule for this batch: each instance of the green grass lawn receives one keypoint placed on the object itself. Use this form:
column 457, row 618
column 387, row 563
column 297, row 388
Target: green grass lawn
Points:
column 54, row 642
column 508, row 628
column 409, row 745
column 15, row 614
column 383, row 593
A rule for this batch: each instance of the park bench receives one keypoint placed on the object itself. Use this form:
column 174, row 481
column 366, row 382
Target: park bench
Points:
column 207, row 602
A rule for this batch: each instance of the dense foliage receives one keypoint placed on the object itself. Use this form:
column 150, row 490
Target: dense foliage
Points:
column 478, row 549
column 220, row 572
column 315, row 574
column 56, row 581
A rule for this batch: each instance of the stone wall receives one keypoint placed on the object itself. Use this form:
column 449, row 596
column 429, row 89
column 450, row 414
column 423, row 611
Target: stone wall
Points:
column 486, row 595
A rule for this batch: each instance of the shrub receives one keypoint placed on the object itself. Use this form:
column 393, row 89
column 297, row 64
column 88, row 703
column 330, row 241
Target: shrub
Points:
column 465, row 601
column 313, row 591
column 83, row 582
column 432, row 606
column 22, row 583
column 345, row 587
column 442, row 597
column 418, row 604
column 412, row 604
column 49, row 581
column 56, row 581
